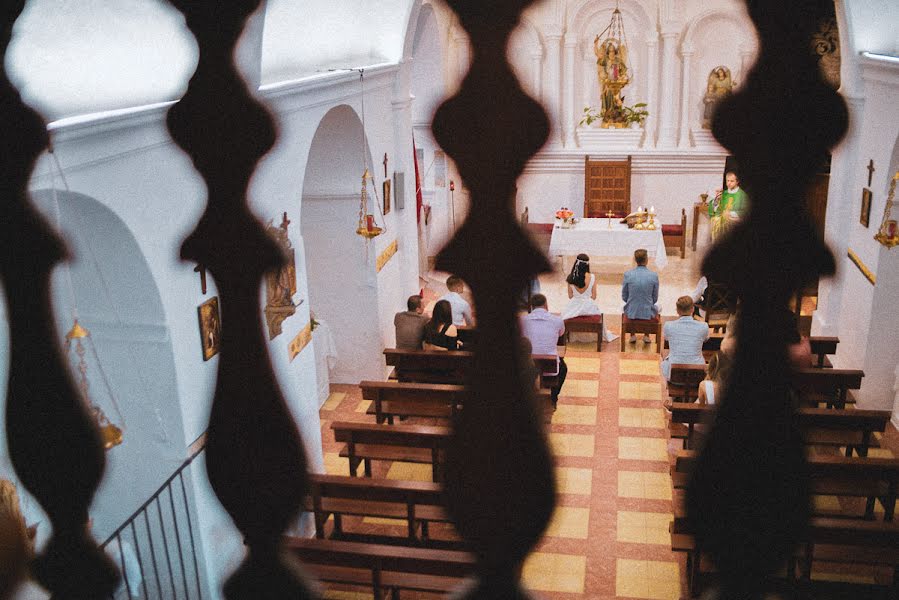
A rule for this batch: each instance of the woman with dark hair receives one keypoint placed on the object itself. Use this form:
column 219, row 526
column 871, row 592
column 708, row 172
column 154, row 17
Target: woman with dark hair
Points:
column 582, row 287
column 440, row 333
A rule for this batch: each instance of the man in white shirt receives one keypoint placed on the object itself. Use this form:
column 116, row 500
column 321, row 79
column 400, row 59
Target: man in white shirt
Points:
column 461, row 307
column 543, row 329
column 685, row 337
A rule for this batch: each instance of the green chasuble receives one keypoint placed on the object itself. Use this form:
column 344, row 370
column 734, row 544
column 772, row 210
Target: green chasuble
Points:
column 719, row 219
column 730, row 201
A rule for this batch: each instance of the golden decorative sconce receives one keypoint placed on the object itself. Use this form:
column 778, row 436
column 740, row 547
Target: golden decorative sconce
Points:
column 888, row 234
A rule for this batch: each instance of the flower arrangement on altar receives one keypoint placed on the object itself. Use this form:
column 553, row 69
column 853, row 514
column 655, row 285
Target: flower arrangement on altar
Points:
column 566, row 216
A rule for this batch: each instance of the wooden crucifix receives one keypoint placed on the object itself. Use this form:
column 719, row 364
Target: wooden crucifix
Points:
column 385, row 165
column 871, row 170
column 201, row 269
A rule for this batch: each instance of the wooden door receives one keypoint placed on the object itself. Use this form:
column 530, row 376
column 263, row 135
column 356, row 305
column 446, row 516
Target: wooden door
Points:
column 607, row 187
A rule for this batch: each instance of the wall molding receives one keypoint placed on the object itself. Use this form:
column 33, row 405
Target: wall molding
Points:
column 385, row 256
column 298, row 343
column 643, row 161
column 869, row 275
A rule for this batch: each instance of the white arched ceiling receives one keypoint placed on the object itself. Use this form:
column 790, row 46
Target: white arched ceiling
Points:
column 338, row 151
column 72, row 58
column 317, row 35
column 427, row 66
column 873, row 25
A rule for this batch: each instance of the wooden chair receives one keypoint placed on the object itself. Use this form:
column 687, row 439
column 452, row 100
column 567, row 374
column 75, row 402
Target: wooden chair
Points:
column 718, row 304
column 645, row 326
column 607, row 187
column 676, row 235
column 588, row 324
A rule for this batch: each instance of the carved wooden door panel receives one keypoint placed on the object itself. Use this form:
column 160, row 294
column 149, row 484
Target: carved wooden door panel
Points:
column 607, row 187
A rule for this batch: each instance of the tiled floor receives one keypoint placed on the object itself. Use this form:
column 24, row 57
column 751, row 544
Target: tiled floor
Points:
column 608, row 538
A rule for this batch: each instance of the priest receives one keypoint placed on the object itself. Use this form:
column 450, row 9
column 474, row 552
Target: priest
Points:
column 728, row 206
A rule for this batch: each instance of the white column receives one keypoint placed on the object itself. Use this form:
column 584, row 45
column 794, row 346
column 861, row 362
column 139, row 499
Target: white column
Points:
column 401, row 161
column 537, row 74
column 553, row 84
column 686, row 59
column 745, row 63
column 460, row 40
column 652, row 92
column 570, row 114
column 591, row 81
column 667, row 124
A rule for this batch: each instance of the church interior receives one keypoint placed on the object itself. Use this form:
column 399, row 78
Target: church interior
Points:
column 357, row 187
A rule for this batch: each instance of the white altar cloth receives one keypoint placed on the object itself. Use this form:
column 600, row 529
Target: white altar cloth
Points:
column 593, row 237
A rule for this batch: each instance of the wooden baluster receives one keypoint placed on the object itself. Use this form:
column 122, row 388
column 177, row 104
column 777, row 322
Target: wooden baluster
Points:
column 499, row 472
column 749, row 497
column 54, row 444
column 254, row 455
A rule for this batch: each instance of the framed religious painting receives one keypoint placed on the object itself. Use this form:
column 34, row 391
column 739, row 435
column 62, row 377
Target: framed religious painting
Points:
column 210, row 327
column 865, row 216
column 385, row 189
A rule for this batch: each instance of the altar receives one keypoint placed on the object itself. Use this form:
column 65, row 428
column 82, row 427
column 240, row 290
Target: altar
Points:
column 595, row 238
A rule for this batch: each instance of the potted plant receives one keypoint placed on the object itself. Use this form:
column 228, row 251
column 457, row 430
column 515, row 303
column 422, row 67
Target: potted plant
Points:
column 625, row 115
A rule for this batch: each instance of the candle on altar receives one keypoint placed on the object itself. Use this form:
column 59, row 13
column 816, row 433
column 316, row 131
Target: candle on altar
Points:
column 652, row 209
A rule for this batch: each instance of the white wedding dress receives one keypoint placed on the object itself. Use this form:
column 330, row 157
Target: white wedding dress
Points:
column 582, row 305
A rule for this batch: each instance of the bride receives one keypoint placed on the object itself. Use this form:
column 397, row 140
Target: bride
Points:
column 582, row 287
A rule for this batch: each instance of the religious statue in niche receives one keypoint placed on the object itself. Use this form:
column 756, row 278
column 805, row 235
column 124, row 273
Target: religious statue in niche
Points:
column 611, row 68
column 280, row 285
column 720, row 84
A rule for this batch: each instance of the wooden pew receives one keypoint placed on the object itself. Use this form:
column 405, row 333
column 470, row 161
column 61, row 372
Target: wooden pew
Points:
column 391, row 399
column 870, row 478
column 417, row 502
column 384, row 569
column 813, row 384
column 432, row 366
column 821, row 427
column 822, row 347
column 429, row 366
column 832, row 385
column 826, row 540
column 366, row 442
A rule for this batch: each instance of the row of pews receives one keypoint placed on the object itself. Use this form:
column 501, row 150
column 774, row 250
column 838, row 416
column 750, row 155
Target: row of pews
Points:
column 826, row 418
column 422, row 385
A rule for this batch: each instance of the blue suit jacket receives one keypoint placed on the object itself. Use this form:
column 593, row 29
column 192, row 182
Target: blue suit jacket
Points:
column 640, row 292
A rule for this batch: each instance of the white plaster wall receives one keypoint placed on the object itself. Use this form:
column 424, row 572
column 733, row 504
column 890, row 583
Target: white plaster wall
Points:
column 544, row 192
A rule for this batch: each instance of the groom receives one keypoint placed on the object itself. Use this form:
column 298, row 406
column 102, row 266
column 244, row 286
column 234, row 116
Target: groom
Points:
column 640, row 292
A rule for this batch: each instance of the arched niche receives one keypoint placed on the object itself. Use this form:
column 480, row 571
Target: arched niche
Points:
column 118, row 301
column 589, row 18
column 716, row 37
column 525, row 53
column 339, row 263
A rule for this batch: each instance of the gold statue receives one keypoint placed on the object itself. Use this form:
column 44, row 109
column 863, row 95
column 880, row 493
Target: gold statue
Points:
column 611, row 67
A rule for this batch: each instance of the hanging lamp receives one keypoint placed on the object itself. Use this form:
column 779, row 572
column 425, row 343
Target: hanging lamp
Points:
column 368, row 226
column 888, row 234
column 82, row 355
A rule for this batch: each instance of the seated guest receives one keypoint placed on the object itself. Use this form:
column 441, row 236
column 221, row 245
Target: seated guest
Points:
column 711, row 387
column 685, row 337
column 410, row 324
column 543, row 330
column 439, row 332
column 640, row 292
column 461, row 307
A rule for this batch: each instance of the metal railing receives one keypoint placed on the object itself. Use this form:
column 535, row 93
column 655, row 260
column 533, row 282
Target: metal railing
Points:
column 155, row 548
